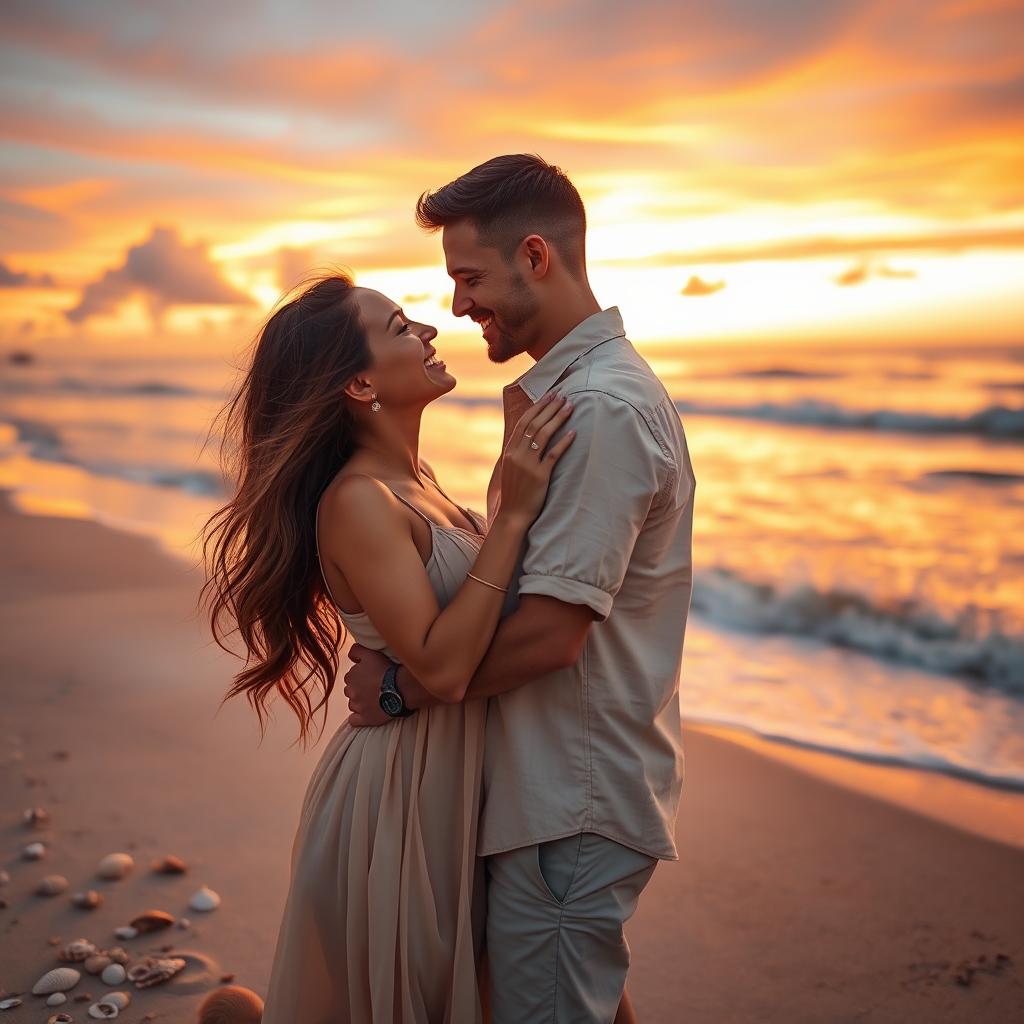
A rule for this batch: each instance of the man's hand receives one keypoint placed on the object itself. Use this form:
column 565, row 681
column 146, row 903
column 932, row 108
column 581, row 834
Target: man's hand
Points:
column 362, row 686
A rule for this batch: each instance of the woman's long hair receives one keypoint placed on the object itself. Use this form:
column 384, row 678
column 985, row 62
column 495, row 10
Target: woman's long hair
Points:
column 288, row 431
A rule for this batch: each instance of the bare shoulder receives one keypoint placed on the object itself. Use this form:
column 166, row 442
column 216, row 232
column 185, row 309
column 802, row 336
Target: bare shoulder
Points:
column 360, row 510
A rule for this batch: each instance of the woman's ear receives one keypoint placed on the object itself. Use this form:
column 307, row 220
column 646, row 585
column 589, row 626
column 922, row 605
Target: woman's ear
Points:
column 360, row 389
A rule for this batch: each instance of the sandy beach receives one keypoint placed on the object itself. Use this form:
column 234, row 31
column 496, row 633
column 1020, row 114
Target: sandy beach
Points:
column 802, row 895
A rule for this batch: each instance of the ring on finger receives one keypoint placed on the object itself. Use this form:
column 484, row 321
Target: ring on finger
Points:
column 534, row 446
column 530, row 436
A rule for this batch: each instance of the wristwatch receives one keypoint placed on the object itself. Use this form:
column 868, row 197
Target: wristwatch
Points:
column 391, row 700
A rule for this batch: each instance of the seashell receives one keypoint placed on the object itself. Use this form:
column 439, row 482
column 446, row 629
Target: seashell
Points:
column 77, row 951
column 9, row 1004
column 34, row 851
column 115, row 865
column 88, row 900
column 153, row 970
column 231, row 1005
column 118, row 955
column 52, row 885
column 56, row 999
column 61, row 1018
column 98, row 962
column 126, row 931
column 204, row 899
column 118, row 999
column 184, row 922
column 113, row 974
column 152, row 921
column 4, row 877
column 60, row 979
column 35, row 817
column 103, row 1010
column 170, row 865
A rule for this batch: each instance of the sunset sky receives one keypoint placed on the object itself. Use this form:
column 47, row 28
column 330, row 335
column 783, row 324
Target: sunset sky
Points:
column 752, row 170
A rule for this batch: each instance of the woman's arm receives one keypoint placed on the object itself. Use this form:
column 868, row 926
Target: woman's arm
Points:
column 370, row 539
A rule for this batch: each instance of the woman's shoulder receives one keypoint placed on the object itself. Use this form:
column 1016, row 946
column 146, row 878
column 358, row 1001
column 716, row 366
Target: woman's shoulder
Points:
column 357, row 504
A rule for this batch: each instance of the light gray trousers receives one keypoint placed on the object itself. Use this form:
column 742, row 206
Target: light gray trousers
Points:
column 555, row 917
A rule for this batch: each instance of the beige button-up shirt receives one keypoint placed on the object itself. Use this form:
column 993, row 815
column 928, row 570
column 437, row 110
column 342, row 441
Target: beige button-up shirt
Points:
column 597, row 747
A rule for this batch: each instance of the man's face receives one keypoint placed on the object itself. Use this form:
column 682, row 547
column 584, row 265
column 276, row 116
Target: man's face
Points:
column 490, row 291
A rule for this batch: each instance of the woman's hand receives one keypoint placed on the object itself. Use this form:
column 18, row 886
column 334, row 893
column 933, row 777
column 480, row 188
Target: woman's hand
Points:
column 527, row 462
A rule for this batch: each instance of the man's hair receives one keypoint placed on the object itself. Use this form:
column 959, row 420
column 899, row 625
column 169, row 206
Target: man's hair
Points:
column 508, row 198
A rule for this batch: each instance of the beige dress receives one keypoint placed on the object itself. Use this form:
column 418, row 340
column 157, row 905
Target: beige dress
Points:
column 384, row 918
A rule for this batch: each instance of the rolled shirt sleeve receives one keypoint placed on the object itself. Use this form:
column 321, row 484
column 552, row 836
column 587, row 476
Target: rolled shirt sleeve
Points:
column 601, row 492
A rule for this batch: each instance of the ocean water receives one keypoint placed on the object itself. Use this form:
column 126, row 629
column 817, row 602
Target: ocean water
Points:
column 858, row 532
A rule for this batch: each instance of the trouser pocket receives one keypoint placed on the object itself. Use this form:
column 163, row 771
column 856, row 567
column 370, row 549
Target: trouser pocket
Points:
column 557, row 864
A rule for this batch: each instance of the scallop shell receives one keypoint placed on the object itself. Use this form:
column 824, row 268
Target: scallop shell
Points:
column 231, row 1005
column 98, row 962
column 153, row 970
column 152, row 921
column 77, row 951
column 34, row 851
column 113, row 974
column 204, row 899
column 115, row 865
column 170, row 865
column 60, row 979
column 125, row 931
column 90, row 899
column 10, row 1004
column 52, row 885
column 61, row 1018
column 56, row 999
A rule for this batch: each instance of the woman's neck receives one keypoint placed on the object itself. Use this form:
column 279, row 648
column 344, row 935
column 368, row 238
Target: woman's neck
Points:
column 391, row 444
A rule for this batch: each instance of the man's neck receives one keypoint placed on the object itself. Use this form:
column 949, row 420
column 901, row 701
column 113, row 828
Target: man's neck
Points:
column 566, row 316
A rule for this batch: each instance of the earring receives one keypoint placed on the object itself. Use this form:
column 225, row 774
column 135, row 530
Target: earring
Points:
column 375, row 405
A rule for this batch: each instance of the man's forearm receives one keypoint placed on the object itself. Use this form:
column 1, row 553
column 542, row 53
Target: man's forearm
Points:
column 520, row 652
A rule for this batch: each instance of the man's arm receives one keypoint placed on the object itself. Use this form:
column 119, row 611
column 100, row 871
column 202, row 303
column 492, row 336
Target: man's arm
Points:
column 543, row 634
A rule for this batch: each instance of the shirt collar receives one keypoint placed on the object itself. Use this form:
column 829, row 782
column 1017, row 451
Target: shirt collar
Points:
column 596, row 329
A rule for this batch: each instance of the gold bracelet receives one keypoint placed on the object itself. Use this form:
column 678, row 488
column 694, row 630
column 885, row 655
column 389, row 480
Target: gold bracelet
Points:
column 504, row 590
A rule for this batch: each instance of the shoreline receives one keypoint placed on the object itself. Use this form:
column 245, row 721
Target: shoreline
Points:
column 975, row 805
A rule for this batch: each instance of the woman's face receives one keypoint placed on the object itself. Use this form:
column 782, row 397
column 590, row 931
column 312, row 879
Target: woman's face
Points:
column 405, row 369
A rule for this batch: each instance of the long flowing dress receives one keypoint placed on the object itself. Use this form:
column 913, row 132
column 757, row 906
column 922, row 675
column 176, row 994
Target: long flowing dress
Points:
column 384, row 918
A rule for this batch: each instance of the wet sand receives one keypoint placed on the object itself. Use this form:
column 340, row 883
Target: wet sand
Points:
column 801, row 894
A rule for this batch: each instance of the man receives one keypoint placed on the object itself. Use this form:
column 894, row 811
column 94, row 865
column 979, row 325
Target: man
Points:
column 584, row 762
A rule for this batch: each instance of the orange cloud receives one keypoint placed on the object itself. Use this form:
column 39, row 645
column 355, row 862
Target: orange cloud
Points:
column 166, row 272
column 697, row 286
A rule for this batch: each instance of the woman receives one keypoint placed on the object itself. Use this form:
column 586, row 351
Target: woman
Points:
column 384, row 916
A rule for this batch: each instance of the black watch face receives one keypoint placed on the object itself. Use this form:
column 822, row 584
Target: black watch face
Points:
column 391, row 703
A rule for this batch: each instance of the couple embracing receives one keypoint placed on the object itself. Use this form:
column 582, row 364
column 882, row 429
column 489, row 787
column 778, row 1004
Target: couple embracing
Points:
column 478, row 831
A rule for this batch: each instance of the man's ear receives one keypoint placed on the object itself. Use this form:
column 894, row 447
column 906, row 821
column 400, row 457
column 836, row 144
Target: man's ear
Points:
column 537, row 252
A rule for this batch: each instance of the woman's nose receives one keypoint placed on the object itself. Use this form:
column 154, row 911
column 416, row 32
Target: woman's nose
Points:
column 427, row 333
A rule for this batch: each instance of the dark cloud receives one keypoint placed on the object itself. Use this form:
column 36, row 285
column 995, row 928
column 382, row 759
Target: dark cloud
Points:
column 20, row 279
column 698, row 286
column 166, row 272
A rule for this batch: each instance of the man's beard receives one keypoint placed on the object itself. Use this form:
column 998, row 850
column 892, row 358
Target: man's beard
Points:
column 521, row 308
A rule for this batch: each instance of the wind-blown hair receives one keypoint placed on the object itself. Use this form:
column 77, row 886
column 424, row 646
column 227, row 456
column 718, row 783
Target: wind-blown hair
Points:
column 288, row 431
column 508, row 198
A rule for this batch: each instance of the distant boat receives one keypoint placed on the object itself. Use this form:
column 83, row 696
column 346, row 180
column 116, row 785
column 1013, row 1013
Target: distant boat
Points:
column 21, row 357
